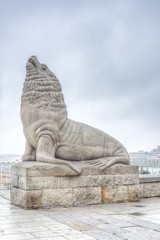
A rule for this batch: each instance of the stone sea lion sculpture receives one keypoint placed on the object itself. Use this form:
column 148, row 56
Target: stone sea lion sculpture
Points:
column 51, row 137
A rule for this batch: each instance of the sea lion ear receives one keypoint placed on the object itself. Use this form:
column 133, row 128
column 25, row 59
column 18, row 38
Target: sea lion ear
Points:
column 52, row 74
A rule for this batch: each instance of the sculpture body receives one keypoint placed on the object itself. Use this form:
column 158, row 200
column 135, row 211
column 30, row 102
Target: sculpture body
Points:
column 52, row 137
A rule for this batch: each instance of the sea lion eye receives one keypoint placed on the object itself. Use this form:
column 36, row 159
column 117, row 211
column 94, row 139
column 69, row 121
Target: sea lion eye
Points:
column 44, row 67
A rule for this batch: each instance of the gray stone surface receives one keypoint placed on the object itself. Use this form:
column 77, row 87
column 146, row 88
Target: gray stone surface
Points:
column 57, row 197
column 140, row 221
column 115, row 194
column 26, row 199
column 38, row 182
column 148, row 178
column 38, row 169
column 149, row 186
column 151, row 189
column 51, row 137
column 87, row 196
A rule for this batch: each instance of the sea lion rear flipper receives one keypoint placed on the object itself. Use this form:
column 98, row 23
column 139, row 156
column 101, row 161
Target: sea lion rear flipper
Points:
column 103, row 163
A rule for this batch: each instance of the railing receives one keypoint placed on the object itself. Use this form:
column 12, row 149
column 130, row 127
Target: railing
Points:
column 5, row 177
column 5, row 171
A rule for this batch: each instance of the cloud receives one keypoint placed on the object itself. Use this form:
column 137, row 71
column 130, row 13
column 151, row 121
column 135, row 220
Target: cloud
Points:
column 105, row 54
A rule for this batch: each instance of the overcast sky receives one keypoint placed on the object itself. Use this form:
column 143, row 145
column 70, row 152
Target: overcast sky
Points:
column 106, row 55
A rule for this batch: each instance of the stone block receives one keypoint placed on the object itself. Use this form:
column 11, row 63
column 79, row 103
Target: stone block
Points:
column 127, row 179
column 141, row 190
column 87, row 196
column 151, row 189
column 39, row 169
column 115, row 194
column 57, row 197
column 133, row 193
column 33, row 183
column 26, row 199
column 36, row 185
column 103, row 180
column 148, row 178
column 149, row 185
column 117, row 169
column 107, row 194
column 86, row 181
column 14, row 180
column 18, row 197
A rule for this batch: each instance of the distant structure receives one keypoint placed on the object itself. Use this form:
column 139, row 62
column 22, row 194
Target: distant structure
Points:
column 6, row 160
column 157, row 150
column 146, row 160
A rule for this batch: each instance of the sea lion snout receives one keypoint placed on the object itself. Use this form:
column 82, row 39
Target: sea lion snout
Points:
column 32, row 62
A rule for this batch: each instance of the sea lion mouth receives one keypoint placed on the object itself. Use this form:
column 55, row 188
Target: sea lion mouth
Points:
column 32, row 61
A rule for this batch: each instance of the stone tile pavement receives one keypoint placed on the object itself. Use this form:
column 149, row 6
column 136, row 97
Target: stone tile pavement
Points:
column 132, row 221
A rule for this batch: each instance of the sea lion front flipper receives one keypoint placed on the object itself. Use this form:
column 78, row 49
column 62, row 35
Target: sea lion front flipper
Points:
column 46, row 153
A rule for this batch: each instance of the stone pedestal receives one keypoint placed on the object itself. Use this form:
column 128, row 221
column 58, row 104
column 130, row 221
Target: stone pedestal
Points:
column 41, row 185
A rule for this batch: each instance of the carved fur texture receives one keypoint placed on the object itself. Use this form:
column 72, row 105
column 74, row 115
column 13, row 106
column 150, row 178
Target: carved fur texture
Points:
column 52, row 137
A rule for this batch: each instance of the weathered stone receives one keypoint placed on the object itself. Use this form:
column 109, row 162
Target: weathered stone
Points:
column 141, row 190
column 114, row 194
column 57, row 197
column 126, row 179
column 35, row 183
column 103, row 180
column 66, row 190
column 149, row 186
column 86, row 181
column 51, row 137
column 26, row 199
column 151, row 189
column 145, row 178
column 14, row 180
column 132, row 193
column 117, row 169
column 107, row 194
column 119, row 193
column 38, row 169
column 50, row 182
column 87, row 196
column 34, row 199
column 18, row 197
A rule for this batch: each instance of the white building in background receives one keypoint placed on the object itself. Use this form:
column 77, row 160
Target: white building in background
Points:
column 147, row 161
column 5, row 165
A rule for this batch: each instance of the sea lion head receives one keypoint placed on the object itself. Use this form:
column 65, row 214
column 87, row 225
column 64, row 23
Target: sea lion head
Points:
column 41, row 89
column 34, row 67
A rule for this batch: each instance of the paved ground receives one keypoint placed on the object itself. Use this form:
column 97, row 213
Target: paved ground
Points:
column 132, row 221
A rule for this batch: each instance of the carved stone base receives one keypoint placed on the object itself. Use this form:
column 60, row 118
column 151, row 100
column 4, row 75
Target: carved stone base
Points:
column 41, row 185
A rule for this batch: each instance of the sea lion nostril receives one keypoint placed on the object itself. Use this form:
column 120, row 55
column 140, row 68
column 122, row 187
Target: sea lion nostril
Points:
column 32, row 61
